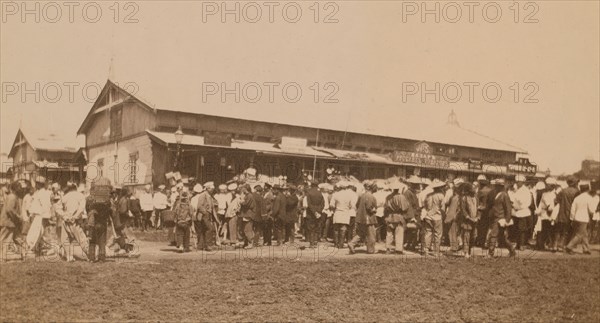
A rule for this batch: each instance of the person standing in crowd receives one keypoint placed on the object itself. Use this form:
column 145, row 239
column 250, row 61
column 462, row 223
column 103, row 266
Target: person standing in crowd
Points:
column 291, row 211
column 594, row 225
column 232, row 214
column 582, row 210
column 183, row 220
column 9, row 219
column 267, row 211
column 341, row 204
column 413, row 228
column 397, row 212
column 315, row 205
column 147, row 206
column 352, row 189
column 500, row 218
column 432, row 221
column 135, row 208
column 521, row 202
column 544, row 211
column 161, row 203
column 28, row 190
column 41, row 212
column 73, row 212
column 563, row 220
column 327, row 218
column 223, row 198
column 366, row 219
column 380, row 196
column 483, row 209
column 453, row 210
column 99, row 211
column 204, row 217
column 468, row 216
column 279, row 213
column 248, row 214
column 258, row 219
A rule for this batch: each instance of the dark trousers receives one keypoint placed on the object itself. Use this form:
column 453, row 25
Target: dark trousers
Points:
column 561, row 234
column 97, row 238
column 248, row 231
column 495, row 231
column 482, row 230
column 546, row 236
column 351, row 229
column 267, row 230
column 366, row 233
column 321, row 233
column 146, row 223
column 327, row 231
column 380, row 230
column 170, row 226
column 285, row 231
column 312, row 227
column 183, row 235
column 205, row 232
column 339, row 234
column 257, row 229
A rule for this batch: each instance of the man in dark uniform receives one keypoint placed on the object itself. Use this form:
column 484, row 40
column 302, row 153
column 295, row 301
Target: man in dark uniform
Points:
column 99, row 211
column 267, row 207
column 258, row 219
column 563, row 221
column 483, row 210
column 316, row 204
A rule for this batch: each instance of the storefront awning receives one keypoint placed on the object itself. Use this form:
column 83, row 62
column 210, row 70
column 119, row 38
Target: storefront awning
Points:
column 259, row 147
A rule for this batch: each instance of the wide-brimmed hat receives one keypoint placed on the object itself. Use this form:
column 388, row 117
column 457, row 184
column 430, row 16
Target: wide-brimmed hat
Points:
column 161, row 187
column 222, row 187
column 458, row 181
column 437, row 183
column 482, row 178
column 551, row 181
column 198, row 188
column 498, row 181
column 414, row 179
column 232, row 187
column 209, row 185
column 540, row 186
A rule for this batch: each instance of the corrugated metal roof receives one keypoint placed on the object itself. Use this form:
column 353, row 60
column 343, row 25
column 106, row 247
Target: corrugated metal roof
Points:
column 415, row 126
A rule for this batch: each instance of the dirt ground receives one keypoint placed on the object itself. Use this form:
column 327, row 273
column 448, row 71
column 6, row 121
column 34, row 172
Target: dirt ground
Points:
column 275, row 289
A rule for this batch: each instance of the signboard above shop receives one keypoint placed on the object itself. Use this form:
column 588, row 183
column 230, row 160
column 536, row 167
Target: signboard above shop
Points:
column 523, row 165
column 217, row 139
column 421, row 156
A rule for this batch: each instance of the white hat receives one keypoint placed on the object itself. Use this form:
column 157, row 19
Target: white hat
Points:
column 414, row 179
column 458, row 181
column 481, row 177
column 232, row 187
column 520, row 178
column 198, row 188
column 209, row 185
column 540, row 186
column 395, row 186
column 222, row 187
column 437, row 183
column 174, row 189
column 161, row 187
column 551, row 181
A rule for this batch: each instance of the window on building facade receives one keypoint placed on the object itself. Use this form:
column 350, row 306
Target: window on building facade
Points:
column 133, row 169
column 116, row 123
column 23, row 153
column 100, row 165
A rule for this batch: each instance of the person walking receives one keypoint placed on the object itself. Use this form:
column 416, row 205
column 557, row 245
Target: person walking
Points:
column 398, row 211
column 183, row 220
column 521, row 202
column 582, row 210
column 204, row 217
column 341, row 205
column 432, row 221
column 565, row 200
column 468, row 216
column 161, row 203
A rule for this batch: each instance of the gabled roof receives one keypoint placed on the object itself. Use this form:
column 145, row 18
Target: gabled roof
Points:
column 45, row 142
column 406, row 126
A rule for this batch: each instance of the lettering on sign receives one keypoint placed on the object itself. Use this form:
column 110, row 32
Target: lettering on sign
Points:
column 475, row 164
column 522, row 166
column 428, row 160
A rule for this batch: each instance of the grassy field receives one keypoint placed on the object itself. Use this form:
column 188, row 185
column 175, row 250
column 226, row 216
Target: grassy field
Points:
column 279, row 290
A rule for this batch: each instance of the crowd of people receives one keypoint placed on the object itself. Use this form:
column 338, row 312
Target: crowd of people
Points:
column 415, row 214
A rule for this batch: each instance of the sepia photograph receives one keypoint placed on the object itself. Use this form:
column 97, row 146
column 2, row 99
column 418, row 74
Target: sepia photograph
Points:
column 300, row 161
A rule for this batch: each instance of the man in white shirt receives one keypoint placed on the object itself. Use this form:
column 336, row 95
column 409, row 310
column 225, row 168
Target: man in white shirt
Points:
column 521, row 200
column 161, row 203
column 582, row 210
column 40, row 212
column 147, row 205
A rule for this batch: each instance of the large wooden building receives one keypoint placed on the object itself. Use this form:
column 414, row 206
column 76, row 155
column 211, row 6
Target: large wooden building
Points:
column 58, row 159
column 133, row 142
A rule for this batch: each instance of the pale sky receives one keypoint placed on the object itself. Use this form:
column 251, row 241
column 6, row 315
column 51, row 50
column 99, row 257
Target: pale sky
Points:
column 373, row 53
